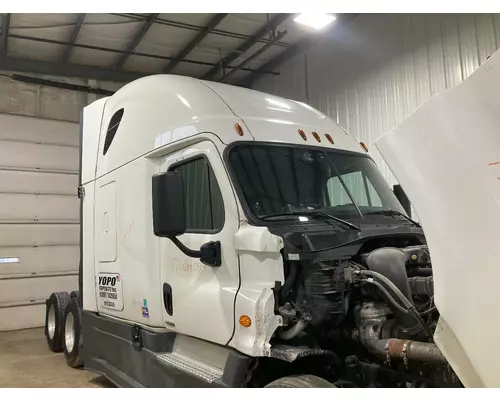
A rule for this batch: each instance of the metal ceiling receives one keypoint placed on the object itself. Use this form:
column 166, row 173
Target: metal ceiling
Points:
column 233, row 48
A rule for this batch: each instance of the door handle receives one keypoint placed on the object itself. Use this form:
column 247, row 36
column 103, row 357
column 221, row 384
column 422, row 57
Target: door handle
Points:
column 167, row 299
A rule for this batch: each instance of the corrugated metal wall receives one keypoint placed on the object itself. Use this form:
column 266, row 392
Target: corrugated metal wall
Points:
column 373, row 73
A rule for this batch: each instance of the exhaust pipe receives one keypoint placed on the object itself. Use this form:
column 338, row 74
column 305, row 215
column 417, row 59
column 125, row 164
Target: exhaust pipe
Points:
column 406, row 350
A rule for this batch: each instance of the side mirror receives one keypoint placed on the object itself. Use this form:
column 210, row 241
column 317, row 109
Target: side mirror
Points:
column 169, row 217
column 403, row 199
column 168, row 205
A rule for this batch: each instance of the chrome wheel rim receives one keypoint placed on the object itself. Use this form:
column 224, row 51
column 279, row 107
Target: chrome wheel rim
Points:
column 51, row 322
column 69, row 332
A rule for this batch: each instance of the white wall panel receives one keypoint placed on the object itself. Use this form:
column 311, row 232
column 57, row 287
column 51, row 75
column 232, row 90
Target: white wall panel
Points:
column 39, row 217
column 31, row 208
column 371, row 74
column 36, row 130
column 31, row 316
column 39, row 235
column 15, row 291
column 38, row 182
column 39, row 260
column 38, row 156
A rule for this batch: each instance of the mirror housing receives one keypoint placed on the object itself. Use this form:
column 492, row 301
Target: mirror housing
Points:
column 403, row 199
column 169, row 217
column 168, row 205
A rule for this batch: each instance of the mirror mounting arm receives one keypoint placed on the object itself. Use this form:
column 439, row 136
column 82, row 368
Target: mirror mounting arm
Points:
column 209, row 254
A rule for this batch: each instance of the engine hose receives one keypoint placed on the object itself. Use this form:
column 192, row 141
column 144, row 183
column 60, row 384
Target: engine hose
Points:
column 290, row 280
column 410, row 307
column 387, row 294
column 293, row 331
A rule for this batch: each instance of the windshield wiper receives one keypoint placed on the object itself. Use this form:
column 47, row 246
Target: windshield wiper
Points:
column 394, row 212
column 313, row 213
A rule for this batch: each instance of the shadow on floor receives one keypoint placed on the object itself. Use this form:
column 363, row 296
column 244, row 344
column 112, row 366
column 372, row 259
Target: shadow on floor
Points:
column 27, row 362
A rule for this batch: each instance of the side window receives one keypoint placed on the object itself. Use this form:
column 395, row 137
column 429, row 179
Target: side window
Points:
column 114, row 122
column 203, row 200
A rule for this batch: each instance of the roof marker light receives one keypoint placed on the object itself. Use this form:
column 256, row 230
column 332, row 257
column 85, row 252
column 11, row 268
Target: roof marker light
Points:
column 316, row 136
column 364, row 146
column 302, row 134
column 329, row 138
column 239, row 129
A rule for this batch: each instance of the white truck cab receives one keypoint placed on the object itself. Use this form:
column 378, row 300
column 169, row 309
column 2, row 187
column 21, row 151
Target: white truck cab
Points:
column 237, row 239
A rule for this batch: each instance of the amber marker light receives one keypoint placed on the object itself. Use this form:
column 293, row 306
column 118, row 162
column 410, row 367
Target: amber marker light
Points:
column 239, row 129
column 245, row 321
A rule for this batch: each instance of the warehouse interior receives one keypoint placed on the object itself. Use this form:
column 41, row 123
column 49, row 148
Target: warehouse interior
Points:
column 367, row 72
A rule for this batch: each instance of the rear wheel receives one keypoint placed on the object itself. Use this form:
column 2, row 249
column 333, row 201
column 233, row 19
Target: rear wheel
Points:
column 72, row 334
column 300, row 381
column 54, row 319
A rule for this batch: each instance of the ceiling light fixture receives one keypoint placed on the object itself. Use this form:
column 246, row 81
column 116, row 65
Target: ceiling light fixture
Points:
column 316, row 21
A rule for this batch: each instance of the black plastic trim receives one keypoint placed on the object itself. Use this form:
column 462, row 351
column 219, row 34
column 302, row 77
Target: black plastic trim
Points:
column 111, row 132
column 114, row 375
column 236, row 370
column 109, row 351
column 168, row 299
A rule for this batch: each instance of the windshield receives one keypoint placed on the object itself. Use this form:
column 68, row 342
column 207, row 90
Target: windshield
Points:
column 276, row 179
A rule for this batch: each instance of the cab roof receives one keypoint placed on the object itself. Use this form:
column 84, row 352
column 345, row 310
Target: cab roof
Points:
column 161, row 109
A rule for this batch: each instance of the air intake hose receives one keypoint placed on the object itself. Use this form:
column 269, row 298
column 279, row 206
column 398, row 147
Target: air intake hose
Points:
column 391, row 262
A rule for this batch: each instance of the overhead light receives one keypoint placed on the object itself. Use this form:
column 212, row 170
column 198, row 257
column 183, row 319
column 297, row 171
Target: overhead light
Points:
column 316, row 21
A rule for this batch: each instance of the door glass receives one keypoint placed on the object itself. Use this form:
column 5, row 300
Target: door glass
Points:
column 204, row 207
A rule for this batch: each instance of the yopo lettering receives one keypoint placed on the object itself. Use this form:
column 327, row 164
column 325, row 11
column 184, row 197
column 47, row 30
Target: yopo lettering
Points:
column 107, row 280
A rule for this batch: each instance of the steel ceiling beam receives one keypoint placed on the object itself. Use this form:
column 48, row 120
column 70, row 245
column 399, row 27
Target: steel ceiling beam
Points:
column 73, row 37
column 216, row 20
column 198, row 28
column 117, row 51
column 299, row 47
column 68, row 70
column 280, row 36
column 135, row 41
column 244, row 47
column 4, row 35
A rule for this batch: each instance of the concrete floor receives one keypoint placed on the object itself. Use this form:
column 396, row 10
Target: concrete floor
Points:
column 27, row 362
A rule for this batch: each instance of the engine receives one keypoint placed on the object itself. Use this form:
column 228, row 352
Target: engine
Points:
column 371, row 311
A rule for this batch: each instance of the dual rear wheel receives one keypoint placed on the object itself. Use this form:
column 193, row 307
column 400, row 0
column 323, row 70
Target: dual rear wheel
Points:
column 63, row 326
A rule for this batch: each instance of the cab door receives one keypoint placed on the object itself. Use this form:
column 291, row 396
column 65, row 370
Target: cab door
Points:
column 199, row 299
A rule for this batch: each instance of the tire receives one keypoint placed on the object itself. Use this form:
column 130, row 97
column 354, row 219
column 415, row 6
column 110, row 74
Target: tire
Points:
column 300, row 381
column 54, row 317
column 72, row 341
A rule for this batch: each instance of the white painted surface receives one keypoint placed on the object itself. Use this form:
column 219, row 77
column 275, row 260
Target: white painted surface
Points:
column 446, row 156
column 163, row 109
column 202, row 293
column 137, row 249
column 39, row 216
column 168, row 119
column 261, row 265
